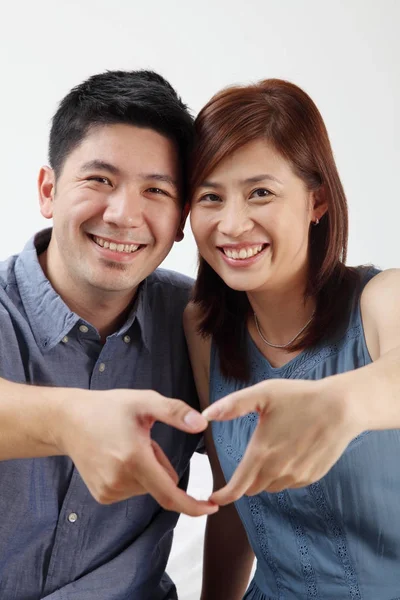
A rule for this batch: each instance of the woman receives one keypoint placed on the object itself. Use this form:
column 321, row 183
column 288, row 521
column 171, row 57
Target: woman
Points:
column 311, row 448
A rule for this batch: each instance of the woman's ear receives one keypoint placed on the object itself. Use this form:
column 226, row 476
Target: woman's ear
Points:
column 319, row 204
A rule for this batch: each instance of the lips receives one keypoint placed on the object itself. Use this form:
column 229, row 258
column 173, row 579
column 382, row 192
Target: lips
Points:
column 242, row 251
column 115, row 246
column 116, row 251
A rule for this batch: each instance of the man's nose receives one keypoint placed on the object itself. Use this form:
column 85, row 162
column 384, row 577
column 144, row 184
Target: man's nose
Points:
column 125, row 209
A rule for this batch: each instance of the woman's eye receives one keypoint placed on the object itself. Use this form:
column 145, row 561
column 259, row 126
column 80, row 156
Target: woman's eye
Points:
column 104, row 180
column 261, row 193
column 210, row 198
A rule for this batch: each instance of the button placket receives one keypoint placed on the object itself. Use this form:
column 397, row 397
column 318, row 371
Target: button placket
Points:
column 68, row 533
column 107, row 364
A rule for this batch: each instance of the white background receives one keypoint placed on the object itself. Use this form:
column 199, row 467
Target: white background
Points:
column 344, row 53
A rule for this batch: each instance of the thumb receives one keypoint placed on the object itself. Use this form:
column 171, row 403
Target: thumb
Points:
column 172, row 412
column 164, row 462
column 238, row 404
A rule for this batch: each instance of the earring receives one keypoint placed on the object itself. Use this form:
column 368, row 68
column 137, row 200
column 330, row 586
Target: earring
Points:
column 316, row 221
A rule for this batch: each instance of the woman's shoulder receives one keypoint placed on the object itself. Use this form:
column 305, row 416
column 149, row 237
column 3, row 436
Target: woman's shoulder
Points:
column 380, row 312
column 353, row 286
column 381, row 283
column 192, row 317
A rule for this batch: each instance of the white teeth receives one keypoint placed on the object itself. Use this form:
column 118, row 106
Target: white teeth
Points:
column 116, row 247
column 243, row 253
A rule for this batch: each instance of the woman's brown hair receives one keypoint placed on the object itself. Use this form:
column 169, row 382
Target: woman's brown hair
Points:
column 286, row 117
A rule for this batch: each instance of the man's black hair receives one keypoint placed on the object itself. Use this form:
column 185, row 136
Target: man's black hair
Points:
column 140, row 98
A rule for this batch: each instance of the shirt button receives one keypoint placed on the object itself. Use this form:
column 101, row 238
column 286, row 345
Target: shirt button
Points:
column 83, row 328
column 102, row 367
column 65, row 339
column 72, row 517
column 127, row 339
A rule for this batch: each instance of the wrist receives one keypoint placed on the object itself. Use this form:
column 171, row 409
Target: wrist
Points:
column 347, row 402
column 57, row 405
column 363, row 393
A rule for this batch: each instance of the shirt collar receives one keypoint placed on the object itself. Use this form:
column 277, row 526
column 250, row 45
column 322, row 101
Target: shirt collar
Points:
column 50, row 318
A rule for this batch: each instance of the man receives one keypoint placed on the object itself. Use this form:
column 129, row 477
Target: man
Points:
column 81, row 309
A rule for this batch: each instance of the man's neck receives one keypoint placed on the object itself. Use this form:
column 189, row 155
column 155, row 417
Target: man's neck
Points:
column 106, row 311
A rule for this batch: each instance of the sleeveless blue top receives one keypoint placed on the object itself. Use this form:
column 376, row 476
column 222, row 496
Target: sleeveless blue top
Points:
column 339, row 538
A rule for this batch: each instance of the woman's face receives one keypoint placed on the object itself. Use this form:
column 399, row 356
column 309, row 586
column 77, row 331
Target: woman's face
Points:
column 251, row 219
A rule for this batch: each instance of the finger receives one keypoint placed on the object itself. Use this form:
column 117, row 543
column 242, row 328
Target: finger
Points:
column 135, row 489
column 164, row 462
column 130, row 487
column 299, row 484
column 238, row 404
column 245, row 475
column 265, row 485
column 250, row 469
column 157, row 482
column 170, row 411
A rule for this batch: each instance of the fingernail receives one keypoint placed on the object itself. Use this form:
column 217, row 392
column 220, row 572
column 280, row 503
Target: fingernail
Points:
column 194, row 420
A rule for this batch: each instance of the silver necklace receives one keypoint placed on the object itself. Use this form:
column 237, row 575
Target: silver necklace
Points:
column 280, row 345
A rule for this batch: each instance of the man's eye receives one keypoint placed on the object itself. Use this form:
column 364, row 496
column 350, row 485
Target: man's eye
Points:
column 155, row 190
column 104, row 180
column 261, row 193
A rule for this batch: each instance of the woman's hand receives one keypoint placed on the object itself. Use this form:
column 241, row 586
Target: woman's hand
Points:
column 303, row 429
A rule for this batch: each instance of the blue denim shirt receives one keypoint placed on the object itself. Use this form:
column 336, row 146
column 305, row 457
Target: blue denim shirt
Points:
column 56, row 541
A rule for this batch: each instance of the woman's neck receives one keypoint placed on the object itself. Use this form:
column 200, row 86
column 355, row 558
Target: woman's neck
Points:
column 280, row 316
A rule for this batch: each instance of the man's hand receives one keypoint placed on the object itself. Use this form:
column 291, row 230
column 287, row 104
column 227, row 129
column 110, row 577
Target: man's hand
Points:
column 303, row 429
column 107, row 435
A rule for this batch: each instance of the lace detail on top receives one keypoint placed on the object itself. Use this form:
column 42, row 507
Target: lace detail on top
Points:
column 336, row 532
column 301, row 364
column 302, row 546
column 258, row 516
column 309, row 363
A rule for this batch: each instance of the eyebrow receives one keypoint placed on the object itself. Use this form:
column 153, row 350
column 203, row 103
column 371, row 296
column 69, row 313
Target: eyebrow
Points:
column 159, row 177
column 100, row 165
column 255, row 179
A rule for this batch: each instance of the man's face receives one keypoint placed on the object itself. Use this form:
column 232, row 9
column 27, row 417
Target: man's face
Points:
column 116, row 208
